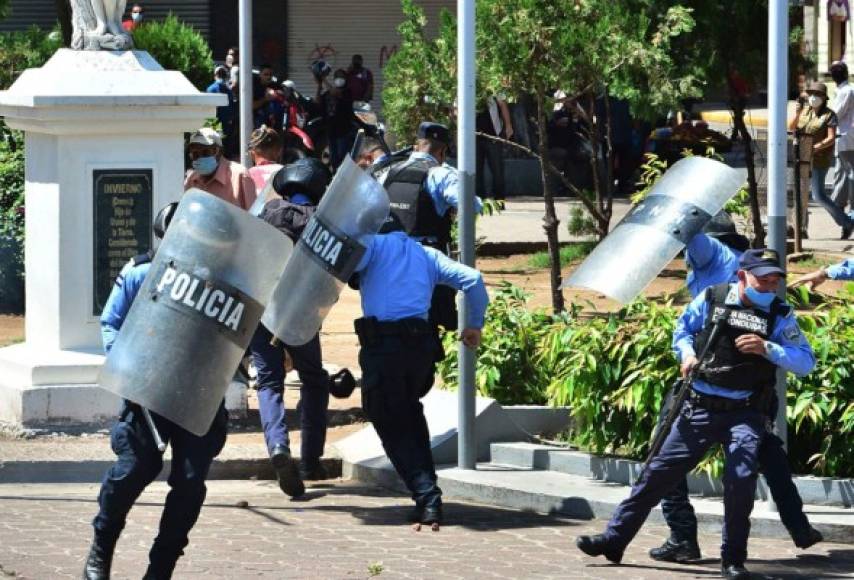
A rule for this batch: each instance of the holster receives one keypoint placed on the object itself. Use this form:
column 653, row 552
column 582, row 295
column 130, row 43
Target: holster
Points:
column 366, row 330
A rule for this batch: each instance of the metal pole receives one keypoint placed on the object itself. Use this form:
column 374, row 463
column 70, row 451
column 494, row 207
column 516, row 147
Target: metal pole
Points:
column 467, row 452
column 245, row 79
column 778, row 75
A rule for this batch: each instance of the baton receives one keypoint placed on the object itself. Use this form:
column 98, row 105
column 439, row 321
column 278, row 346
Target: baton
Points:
column 679, row 399
column 158, row 440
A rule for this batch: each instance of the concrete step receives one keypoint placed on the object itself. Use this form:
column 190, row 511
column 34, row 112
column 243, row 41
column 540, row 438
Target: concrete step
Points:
column 583, row 498
column 813, row 490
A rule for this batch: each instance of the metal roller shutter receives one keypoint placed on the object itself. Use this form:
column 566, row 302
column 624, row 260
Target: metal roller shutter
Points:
column 335, row 30
column 42, row 13
column 25, row 13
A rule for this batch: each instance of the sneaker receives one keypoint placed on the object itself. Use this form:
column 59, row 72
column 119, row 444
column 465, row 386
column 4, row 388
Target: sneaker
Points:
column 287, row 471
column 680, row 552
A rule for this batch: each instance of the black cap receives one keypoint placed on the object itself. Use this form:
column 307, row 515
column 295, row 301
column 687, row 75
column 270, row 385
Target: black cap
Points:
column 761, row 262
column 434, row 132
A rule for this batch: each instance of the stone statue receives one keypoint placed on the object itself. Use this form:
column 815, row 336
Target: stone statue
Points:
column 97, row 25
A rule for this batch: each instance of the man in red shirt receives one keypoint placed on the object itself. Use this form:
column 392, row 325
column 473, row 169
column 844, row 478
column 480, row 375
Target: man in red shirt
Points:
column 214, row 173
column 135, row 19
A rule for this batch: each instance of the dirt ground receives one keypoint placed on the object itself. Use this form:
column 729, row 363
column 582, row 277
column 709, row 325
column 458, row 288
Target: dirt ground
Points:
column 340, row 346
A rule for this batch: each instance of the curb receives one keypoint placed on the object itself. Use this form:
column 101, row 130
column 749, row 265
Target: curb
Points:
column 581, row 498
column 92, row 471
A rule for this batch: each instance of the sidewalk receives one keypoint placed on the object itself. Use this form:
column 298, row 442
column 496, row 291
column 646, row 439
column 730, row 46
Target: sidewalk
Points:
column 344, row 530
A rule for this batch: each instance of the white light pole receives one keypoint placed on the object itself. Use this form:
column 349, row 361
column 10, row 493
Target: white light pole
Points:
column 245, row 78
column 466, row 449
column 778, row 75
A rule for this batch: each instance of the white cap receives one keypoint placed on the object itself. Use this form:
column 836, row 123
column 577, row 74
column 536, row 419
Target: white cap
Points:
column 206, row 136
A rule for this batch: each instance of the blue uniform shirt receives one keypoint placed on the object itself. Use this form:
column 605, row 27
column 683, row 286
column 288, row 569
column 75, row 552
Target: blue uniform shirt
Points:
column 786, row 347
column 398, row 275
column 712, row 262
column 842, row 271
column 118, row 304
column 443, row 185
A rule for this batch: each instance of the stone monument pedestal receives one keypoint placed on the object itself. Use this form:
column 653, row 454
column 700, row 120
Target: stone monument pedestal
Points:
column 104, row 138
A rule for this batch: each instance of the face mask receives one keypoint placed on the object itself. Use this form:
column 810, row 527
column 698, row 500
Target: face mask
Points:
column 229, row 60
column 136, row 16
column 814, row 101
column 340, row 82
column 205, row 165
column 758, row 298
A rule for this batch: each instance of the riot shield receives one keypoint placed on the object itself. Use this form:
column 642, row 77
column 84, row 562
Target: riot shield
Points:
column 326, row 255
column 678, row 207
column 196, row 312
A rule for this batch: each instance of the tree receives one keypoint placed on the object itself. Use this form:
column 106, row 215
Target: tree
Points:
column 583, row 47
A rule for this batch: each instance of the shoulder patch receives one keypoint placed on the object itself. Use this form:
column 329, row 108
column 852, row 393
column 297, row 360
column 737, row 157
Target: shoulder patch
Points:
column 792, row 333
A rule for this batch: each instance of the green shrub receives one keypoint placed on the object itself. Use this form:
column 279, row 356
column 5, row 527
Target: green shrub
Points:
column 613, row 371
column 177, row 46
column 25, row 49
column 568, row 254
column 11, row 220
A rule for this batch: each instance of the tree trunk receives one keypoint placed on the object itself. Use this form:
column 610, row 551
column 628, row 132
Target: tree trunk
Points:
column 63, row 13
column 602, row 218
column 756, row 218
column 550, row 221
column 607, row 208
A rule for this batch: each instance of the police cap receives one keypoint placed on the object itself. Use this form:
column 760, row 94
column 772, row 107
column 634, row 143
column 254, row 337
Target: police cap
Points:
column 761, row 262
column 434, row 132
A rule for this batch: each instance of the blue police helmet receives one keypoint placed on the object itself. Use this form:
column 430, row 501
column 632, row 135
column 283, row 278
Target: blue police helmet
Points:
column 307, row 176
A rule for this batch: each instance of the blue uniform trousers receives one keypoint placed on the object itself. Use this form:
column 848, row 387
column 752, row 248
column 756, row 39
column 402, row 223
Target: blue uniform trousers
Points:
column 314, row 395
column 396, row 372
column 139, row 463
column 694, row 432
column 774, row 465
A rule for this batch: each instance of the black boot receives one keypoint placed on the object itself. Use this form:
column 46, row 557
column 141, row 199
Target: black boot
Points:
column 734, row 571
column 807, row 538
column 99, row 561
column 598, row 545
column 431, row 515
column 287, row 471
column 159, row 572
column 312, row 470
column 671, row 551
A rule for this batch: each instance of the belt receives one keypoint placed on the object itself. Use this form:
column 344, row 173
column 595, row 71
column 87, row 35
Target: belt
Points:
column 720, row 404
column 405, row 326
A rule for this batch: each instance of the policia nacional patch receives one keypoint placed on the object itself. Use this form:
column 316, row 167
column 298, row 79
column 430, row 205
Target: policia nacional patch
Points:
column 335, row 251
column 220, row 305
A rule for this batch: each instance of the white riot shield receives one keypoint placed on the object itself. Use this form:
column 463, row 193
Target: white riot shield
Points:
column 351, row 212
column 677, row 208
column 196, row 312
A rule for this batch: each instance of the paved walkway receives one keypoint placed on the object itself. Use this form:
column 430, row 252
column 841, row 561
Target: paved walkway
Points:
column 347, row 531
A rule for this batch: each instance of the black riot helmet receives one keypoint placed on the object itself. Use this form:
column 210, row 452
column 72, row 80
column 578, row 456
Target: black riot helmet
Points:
column 723, row 229
column 163, row 219
column 307, row 176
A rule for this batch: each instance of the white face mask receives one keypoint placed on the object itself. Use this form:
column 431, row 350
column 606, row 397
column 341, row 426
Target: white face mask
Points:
column 339, row 82
column 814, row 101
column 229, row 60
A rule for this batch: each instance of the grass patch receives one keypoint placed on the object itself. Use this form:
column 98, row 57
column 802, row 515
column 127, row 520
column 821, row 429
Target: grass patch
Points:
column 568, row 254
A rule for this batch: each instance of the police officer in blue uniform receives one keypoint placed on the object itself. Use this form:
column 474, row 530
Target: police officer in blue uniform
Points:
column 713, row 258
column 301, row 185
column 424, row 193
column 842, row 271
column 139, row 461
column 398, row 352
column 759, row 334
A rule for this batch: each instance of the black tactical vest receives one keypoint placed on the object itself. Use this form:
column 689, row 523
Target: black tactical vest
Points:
column 412, row 208
column 726, row 366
